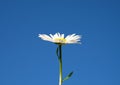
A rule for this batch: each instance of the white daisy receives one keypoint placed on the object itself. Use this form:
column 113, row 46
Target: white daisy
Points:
column 60, row 39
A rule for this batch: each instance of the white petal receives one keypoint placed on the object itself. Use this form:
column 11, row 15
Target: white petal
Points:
column 56, row 35
column 72, row 38
column 62, row 35
column 69, row 36
column 45, row 37
column 52, row 36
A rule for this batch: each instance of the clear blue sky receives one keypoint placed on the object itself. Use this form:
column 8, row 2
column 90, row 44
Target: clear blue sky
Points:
column 27, row 60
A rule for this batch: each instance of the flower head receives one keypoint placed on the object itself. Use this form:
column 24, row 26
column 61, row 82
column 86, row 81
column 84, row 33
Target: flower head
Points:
column 60, row 39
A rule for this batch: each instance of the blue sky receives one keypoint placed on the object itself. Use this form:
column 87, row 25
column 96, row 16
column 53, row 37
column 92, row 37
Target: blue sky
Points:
column 27, row 60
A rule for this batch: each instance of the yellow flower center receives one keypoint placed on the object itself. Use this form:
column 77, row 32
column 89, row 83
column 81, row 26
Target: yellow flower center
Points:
column 60, row 40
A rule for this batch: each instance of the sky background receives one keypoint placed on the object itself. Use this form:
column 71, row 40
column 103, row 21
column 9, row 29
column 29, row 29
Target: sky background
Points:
column 27, row 60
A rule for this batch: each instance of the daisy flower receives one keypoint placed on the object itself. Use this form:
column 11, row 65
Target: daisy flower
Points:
column 60, row 39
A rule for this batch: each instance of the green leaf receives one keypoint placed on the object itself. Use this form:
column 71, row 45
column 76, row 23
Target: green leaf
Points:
column 57, row 53
column 68, row 76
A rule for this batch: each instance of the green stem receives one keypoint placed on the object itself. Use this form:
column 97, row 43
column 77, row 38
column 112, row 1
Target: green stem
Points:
column 60, row 64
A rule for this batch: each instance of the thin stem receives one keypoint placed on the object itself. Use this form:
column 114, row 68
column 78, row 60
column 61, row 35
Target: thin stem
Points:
column 60, row 64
